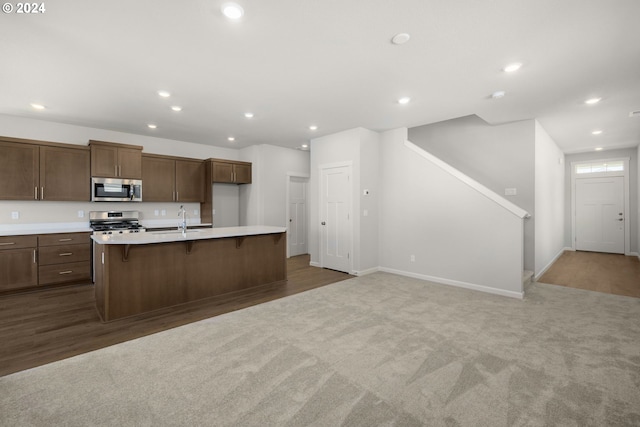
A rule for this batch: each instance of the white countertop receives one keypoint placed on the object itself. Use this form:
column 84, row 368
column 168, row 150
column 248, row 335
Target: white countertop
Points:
column 44, row 228
column 177, row 236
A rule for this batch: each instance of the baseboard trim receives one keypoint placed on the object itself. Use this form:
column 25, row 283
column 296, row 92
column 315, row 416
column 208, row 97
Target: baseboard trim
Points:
column 314, row 264
column 456, row 283
column 365, row 272
column 550, row 263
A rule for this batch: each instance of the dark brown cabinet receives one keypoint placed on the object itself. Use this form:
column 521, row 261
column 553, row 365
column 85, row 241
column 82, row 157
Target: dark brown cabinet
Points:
column 64, row 258
column 30, row 171
column 64, row 174
column 170, row 179
column 19, row 171
column 229, row 171
column 18, row 262
column 111, row 160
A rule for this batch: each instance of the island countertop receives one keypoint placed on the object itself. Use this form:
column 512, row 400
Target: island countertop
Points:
column 151, row 237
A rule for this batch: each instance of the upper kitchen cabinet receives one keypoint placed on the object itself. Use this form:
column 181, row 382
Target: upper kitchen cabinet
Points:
column 36, row 170
column 230, row 171
column 110, row 160
column 19, row 172
column 64, row 174
column 172, row 179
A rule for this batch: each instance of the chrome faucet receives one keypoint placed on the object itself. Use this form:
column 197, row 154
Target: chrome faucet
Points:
column 183, row 213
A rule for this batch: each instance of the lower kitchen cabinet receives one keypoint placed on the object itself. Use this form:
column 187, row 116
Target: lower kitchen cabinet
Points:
column 64, row 257
column 18, row 262
column 27, row 262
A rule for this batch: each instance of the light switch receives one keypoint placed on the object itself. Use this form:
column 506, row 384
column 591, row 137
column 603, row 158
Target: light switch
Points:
column 15, row 215
column 510, row 192
column 365, row 212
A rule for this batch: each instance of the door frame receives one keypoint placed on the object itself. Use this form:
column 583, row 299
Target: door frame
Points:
column 624, row 174
column 349, row 165
column 288, row 206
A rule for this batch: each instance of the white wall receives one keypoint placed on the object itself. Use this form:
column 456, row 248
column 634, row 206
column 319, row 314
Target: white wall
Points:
column 457, row 235
column 549, row 200
column 266, row 198
column 638, row 206
column 360, row 147
column 497, row 156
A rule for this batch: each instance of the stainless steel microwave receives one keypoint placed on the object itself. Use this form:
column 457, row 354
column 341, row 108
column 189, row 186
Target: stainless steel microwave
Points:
column 116, row 190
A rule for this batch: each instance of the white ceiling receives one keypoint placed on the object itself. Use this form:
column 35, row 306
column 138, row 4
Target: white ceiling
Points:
column 294, row 63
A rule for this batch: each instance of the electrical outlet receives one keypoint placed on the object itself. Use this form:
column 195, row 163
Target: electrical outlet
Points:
column 412, row 258
column 195, row 212
column 156, row 212
column 80, row 214
column 15, row 215
column 214, row 212
column 163, row 212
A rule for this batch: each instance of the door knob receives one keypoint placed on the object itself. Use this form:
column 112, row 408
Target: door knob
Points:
column 323, row 223
column 290, row 220
column 621, row 219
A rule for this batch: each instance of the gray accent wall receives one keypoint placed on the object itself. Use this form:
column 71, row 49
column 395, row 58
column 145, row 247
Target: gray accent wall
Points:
column 499, row 157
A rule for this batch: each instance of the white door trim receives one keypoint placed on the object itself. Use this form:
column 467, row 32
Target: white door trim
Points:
column 625, row 175
column 321, row 168
column 287, row 201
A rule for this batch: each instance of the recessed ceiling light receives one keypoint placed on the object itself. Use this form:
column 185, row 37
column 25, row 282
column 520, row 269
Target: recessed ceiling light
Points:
column 232, row 10
column 498, row 94
column 512, row 67
column 592, row 101
column 248, row 115
column 152, row 126
column 164, row 93
column 400, row 38
column 38, row 106
column 598, row 148
column 313, row 127
column 176, row 108
column 596, row 132
column 404, row 100
column 231, row 139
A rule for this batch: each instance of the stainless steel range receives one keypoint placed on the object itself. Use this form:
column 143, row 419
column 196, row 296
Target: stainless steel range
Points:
column 115, row 222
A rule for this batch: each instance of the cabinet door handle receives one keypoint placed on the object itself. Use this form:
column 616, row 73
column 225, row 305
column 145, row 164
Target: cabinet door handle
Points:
column 42, row 193
column 34, row 256
column 177, row 196
column 7, row 243
column 66, row 254
column 66, row 272
column 66, row 239
column 35, row 193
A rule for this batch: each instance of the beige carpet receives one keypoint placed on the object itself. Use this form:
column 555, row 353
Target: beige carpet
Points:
column 596, row 271
column 374, row 350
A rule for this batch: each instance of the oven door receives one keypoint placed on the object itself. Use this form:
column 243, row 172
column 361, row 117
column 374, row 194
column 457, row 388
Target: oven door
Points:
column 116, row 190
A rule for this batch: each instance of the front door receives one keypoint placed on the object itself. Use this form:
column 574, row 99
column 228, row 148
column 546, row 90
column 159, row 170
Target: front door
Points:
column 600, row 214
column 297, row 216
column 335, row 228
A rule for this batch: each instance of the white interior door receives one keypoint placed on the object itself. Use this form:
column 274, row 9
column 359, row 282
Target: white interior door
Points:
column 297, row 231
column 600, row 214
column 335, row 226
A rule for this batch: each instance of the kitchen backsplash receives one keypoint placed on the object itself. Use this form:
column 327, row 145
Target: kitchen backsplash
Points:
column 20, row 213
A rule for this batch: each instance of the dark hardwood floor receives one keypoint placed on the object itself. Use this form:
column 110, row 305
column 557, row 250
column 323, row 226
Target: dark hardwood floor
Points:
column 41, row 327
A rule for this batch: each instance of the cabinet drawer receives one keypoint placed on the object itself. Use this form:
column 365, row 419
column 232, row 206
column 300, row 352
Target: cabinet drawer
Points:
column 18, row 242
column 64, row 254
column 63, row 239
column 60, row 273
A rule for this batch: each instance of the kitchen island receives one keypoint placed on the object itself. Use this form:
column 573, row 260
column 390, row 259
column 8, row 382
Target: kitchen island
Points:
column 142, row 272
